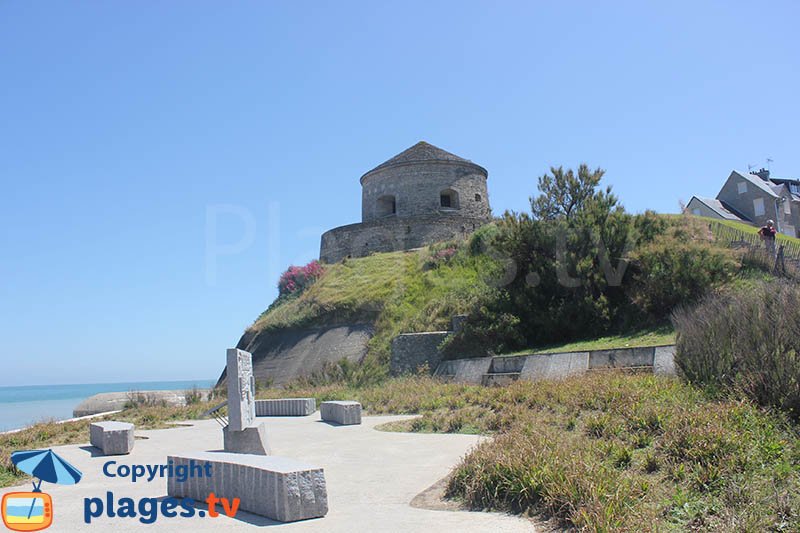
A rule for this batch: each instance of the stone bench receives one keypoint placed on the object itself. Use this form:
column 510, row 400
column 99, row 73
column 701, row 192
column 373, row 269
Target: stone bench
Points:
column 114, row 438
column 345, row 413
column 276, row 487
column 286, row 407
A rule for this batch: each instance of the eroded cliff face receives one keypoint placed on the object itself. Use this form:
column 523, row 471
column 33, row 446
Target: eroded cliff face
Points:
column 280, row 356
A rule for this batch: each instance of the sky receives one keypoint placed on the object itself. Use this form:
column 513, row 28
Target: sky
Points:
column 162, row 163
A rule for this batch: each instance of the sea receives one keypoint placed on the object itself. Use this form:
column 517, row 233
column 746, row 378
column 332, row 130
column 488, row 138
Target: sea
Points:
column 22, row 406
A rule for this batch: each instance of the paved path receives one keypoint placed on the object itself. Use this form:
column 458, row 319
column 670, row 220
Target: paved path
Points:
column 371, row 478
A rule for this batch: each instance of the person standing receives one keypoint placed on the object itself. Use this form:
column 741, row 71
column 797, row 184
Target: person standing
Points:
column 767, row 234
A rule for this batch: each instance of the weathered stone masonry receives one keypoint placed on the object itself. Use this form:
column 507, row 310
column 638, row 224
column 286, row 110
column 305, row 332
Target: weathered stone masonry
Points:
column 421, row 196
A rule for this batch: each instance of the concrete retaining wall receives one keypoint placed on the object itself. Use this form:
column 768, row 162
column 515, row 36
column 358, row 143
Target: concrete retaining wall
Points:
column 554, row 366
column 559, row 365
column 283, row 355
column 464, row 370
column 621, row 358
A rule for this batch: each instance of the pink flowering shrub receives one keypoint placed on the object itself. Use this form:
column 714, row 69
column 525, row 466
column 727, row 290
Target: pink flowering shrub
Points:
column 440, row 257
column 296, row 279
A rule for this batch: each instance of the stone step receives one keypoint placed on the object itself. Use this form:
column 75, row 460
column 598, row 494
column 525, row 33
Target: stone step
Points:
column 506, row 364
column 498, row 379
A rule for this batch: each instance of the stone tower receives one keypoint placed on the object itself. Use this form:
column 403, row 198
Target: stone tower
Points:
column 421, row 196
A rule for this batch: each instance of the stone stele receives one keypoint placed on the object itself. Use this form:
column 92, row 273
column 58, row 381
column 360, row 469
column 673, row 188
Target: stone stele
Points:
column 243, row 435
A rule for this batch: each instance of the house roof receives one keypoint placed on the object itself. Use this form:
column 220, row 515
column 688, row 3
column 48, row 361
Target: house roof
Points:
column 422, row 152
column 788, row 182
column 723, row 210
column 756, row 181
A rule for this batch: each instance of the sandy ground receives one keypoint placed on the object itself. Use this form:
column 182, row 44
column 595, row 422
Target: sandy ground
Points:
column 372, row 477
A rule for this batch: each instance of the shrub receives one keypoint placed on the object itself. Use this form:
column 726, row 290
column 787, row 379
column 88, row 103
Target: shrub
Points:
column 745, row 341
column 670, row 273
column 297, row 279
column 193, row 395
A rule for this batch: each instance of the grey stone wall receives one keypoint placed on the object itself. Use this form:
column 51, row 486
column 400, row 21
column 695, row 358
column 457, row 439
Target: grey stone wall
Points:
column 392, row 234
column 411, row 351
column 417, row 187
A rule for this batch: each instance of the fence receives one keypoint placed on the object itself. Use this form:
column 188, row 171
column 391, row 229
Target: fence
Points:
column 737, row 238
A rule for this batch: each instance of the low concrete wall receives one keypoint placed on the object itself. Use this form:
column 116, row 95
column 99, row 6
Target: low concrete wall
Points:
column 664, row 361
column 554, row 366
column 559, row 365
column 621, row 358
column 464, row 370
column 411, row 351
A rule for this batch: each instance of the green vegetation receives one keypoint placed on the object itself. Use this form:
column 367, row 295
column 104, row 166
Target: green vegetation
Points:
column 398, row 292
column 659, row 336
column 582, row 268
column 602, row 452
column 745, row 342
column 607, row 451
column 144, row 414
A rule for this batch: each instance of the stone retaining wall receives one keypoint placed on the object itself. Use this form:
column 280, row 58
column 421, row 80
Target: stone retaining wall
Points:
column 391, row 234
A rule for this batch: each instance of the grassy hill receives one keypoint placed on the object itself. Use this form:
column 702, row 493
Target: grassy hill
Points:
column 420, row 290
column 413, row 291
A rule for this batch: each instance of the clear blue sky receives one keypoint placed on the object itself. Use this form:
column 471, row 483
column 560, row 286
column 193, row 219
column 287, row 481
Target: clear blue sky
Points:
column 124, row 124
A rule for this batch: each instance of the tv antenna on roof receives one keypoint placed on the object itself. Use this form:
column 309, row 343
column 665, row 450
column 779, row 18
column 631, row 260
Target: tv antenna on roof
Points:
column 769, row 160
column 750, row 167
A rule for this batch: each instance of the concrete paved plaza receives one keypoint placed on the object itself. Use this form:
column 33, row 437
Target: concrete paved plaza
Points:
column 371, row 478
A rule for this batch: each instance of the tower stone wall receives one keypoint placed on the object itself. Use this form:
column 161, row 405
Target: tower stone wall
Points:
column 421, row 196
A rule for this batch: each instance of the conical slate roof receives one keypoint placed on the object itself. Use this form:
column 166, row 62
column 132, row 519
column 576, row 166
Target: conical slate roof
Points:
column 420, row 152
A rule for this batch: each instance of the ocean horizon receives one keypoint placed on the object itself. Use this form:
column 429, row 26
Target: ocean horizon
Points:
column 21, row 406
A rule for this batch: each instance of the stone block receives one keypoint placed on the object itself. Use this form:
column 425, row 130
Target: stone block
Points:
column 555, row 365
column 252, row 440
column 286, row 407
column 345, row 413
column 276, row 487
column 664, row 361
column 113, row 438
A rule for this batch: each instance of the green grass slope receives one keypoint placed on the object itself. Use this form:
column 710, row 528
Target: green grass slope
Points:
column 397, row 292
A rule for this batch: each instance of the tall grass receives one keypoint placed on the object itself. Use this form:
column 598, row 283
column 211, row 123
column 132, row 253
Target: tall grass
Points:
column 746, row 341
column 606, row 452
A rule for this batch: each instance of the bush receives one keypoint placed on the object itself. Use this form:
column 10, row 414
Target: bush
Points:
column 297, row 279
column 671, row 273
column 746, row 342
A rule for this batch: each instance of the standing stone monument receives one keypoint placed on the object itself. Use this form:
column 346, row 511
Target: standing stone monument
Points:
column 243, row 434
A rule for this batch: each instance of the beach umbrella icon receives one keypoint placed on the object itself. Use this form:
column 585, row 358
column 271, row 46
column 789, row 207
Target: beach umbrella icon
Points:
column 47, row 466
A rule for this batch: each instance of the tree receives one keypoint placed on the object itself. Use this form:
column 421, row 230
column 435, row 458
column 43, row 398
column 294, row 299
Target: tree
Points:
column 563, row 193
